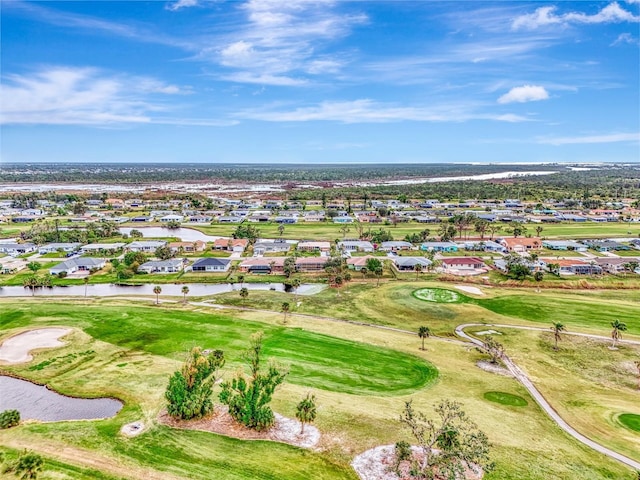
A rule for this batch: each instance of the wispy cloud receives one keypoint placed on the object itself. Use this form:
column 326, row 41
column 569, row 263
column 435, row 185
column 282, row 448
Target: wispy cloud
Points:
column 281, row 43
column 82, row 96
column 625, row 38
column 525, row 93
column 546, row 16
column 369, row 111
column 606, row 138
column 181, row 4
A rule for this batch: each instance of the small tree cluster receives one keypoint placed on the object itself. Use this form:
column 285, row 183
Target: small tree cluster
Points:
column 494, row 348
column 9, row 418
column 306, row 411
column 190, row 389
column 27, row 466
column 248, row 398
column 449, row 444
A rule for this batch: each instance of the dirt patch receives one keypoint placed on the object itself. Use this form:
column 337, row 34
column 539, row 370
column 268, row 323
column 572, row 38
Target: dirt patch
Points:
column 468, row 289
column 16, row 349
column 494, row 368
column 285, row 430
column 378, row 464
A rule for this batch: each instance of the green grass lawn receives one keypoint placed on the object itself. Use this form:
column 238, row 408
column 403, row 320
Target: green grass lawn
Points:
column 317, row 361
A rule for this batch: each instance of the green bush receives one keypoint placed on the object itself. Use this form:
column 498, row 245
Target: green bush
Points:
column 9, row 418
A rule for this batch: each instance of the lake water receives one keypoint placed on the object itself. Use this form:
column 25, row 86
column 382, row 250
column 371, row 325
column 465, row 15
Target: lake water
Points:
column 36, row 402
column 195, row 289
column 184, row 234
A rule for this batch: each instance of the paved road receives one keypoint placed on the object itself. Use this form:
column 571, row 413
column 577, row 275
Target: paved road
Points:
column 539, row 398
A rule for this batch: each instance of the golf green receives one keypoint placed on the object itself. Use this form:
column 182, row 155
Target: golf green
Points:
column 506, row 399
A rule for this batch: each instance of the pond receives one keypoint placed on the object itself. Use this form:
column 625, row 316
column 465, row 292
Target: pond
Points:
column 184, row 234
column 37, row 402
column 171, row 289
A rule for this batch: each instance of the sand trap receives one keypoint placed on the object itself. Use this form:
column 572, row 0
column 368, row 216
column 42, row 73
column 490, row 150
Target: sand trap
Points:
column 16, row 349
column 377, row 463
column 286, row 430
column 488, row 332
column 494, row 368
column 132, row 429
column 468, row 289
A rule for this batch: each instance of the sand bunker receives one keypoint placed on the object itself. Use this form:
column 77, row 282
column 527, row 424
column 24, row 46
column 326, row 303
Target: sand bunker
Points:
column 132, row 429
column 468, row 289
column 16, row 349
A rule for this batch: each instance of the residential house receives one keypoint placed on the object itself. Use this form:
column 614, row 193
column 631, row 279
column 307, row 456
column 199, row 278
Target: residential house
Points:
column 426, row 219
column 395, row 246
column 211, row 265
column 285, row 219
column 521, row 244
column 187, row 247
column 314, row 216
column 564, row 245
column 172, row 218
column 464, row 266
column 635, row 243
column 17, row 248
column 439, row 247
column 230, row 219
column 23, row 219
column 102, row 248
column 310, row 264
column 142, row 218
column 172, row 265
column 231, row 244
column 616, row 265
column 82, row 264
column 58, row 247
column 264, row 265
column 313, row 246
column 269, row 246
column 484, row 246
column 342, row 219
column 358, row 263
column 605, row 245
column 575, row 266
column 200, row 219
column 146, row 246
column 409, row 263
column 9, row 265
column 355, row 246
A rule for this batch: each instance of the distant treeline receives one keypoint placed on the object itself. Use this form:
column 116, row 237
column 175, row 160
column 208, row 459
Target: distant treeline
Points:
column 282, row 173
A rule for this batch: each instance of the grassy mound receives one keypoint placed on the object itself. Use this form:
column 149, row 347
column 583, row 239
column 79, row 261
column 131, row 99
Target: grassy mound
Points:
column 504, row 398
column 630, row 420
column 438, row 295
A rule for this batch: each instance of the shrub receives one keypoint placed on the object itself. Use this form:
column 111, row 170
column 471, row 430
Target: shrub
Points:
column 9, row 418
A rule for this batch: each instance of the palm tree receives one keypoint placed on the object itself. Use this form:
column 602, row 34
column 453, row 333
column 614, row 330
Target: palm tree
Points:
column 296, row 284
column 244, row 293
column 418, row 269
column 424, row 332
column 364, row 272
column 28, row 466
column 86, row 283
column 185, row 291
column 241, row 280
column 379, row 272
column 280, row 229
column 157, row 290
column 618, row 327
column 637, row 364
column 557, row 329
column 306, row 411
column 285, row 309
column 539, row 230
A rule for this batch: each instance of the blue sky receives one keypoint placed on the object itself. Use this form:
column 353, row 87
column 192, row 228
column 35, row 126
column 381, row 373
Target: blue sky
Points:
column 274, row 81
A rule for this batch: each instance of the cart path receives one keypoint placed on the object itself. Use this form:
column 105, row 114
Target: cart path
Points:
column 539, row 398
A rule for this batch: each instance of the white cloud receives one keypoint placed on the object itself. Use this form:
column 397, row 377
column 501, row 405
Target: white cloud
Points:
column 545, row 16
column 369, row 111
column 526, row 93
column 607, row 138
column 281, row 42
column 181, row 4
column 81, row 96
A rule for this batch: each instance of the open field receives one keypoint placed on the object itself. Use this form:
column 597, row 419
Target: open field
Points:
column 361, row 376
